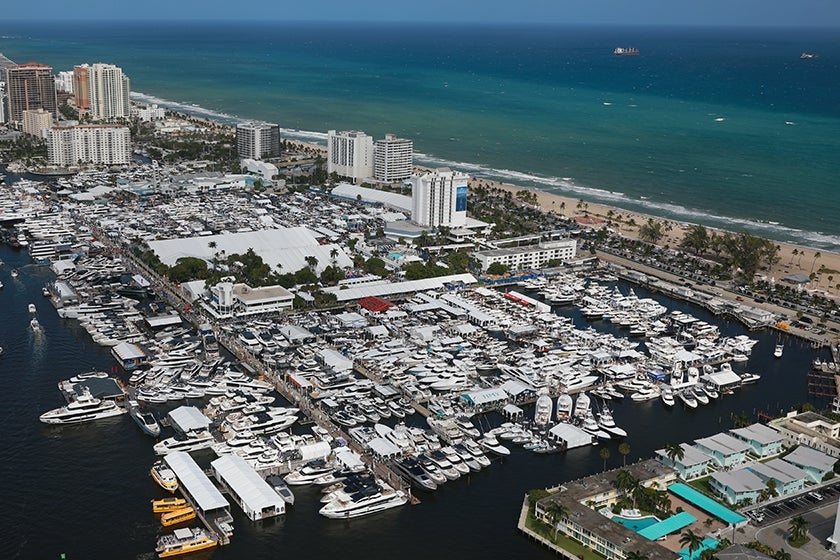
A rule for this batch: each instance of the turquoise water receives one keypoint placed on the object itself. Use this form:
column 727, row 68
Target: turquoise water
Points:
column 726, row 127
column 637, row 523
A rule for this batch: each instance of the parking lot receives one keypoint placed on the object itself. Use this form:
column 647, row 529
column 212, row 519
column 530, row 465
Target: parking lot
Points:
column 793, row 505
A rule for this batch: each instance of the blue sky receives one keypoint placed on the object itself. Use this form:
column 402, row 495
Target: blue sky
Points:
column 783, row 13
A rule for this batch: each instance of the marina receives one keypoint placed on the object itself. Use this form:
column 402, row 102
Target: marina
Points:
column 420, row 409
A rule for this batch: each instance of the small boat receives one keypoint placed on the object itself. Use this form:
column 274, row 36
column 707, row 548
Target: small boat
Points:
column 183, row 541
column 164, row 476
column 146, row 420
column 749, row 378
column 808, row 56
column 165, row 505
column 35, row 325
column 667, row 396
column 177, row 516
column 777, row 353
column 45, row 291
column 281, row 488
column 32, row 309
column 626, row 51
column 687, row 397
column 14, row 273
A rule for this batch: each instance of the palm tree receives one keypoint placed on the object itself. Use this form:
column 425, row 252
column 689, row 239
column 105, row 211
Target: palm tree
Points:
column 798, row 528
column 691, row 540
column 816, row 256
column 624, row 450
column 781, row 555
column 624, row 480
column 674, row 452
column 634, row 555
column 605, row 454
column 792, row 255
column 555, row 513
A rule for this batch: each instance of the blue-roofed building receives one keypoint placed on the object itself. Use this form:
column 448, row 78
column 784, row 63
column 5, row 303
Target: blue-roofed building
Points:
column 707, row 504
column 788, row 478
column 816, row 464
column 693, row 464
column 724, row 449
column 740, row 486
column 763, row 440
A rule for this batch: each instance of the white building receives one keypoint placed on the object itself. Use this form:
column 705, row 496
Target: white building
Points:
column 64, row 81
column 393, row 159
column 2, row 102
column 36, row 122
column 151, row 113
column 350, row 154
column 256, row 140
column 108, row 91
column 529, row 256
column 439, row 198
column 97, row 144
column 266, row 171
column 229, row 299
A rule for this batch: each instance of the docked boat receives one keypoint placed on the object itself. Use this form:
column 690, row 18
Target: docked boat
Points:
column 411, row 469
column 145, row 420
column 183, row 541
column 281, row 488
column 687, row 397
column 699, row 394
column 309, row 472
column 564, row 407
column 365, row 502
column 84, row 409
column 189, row 442
column 165, row 505
column 489, row 443
column 543, row 409
column 164, row 476
column 667, row 396
column 177, row 516
column 749, row 378
column 607, row 423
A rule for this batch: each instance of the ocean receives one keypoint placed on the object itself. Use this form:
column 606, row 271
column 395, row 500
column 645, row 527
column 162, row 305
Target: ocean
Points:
column 84, row 491
column 723, row 126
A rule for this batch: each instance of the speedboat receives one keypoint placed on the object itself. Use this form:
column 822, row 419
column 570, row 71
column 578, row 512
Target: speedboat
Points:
column 84, row 409
column 183, row 541
column 279, row 486
column 777, row 353
column 146, row 420
column 412, row 469
column 687, row 397
column 164, row 476
column 749, row 378
column 667, row 396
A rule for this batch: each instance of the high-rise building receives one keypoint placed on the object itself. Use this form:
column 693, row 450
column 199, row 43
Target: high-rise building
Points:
column 350, row 154
column 257, row 140
column 35, row 122
column 98, row 144
column 2, row 102
column 30, row 86
column 64, row 81
column 393, row 159
column 439, row 198
column 107, row 90
column 81, row 87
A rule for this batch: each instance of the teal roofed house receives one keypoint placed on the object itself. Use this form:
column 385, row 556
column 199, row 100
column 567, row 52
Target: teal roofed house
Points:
column 763, row 440
column 726, row 450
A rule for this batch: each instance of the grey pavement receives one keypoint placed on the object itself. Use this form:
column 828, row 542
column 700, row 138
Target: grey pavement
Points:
column 820, row 527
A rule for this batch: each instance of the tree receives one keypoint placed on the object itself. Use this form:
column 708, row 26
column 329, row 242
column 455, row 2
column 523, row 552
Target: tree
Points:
column 605, row 454
column 798, row 528
column 624, row 480
column 555, row 511
column 497, row 269
column 674, row 452
column 635, row 555
column 691, row 540
column 652, row 231
column 624, row 450
column 816, row 256
column 696, row 239
column 312, row 261
column 375, row 265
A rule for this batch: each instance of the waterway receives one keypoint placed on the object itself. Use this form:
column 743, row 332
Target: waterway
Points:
column 84, row 491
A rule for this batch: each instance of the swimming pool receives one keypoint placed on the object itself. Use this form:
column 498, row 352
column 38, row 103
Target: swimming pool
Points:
column 636, row 523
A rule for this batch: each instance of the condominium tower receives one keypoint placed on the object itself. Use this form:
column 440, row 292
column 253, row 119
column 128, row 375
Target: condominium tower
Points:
column 30, row 86
column 393, row 159
column 102, row 90
column 98, row 144
column 350, row 154
column 439, row 198
column 256, row 140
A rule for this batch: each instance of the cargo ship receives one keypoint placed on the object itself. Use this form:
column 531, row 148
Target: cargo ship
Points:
column 626, row 51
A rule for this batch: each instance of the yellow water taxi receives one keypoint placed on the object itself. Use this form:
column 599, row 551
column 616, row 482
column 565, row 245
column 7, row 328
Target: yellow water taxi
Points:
column 177, row 516
column 164, row 476
column 183, row 541
column 165, row 505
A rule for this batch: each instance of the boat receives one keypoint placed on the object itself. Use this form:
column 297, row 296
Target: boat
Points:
column 189, row 442
column 183, row 541
column 489, row 443
column 667, row 396
column 700, row 395
column 710, row 391
column 35, row 325
column 14, row 273
column 808, row 56
column 749, row 378
column 777, row 353
column 164, row 476
column 543, row 408
column 365, row 502
column 84, row 409
column 32, row 309
column 687, row 397
column 179, row 515
column 45, row 291
column 164, row 505
column 626, row 51
column 281, row 488
column 146, row 420
column 607, row 423
column 411, row 469
column 309, row 472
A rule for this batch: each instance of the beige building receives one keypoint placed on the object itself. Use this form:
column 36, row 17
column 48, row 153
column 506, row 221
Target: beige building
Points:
column 30, row 86
column 811, row 429
column 37, row 122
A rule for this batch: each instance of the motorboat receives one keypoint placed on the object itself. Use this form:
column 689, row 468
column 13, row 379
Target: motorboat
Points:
column 145, row 419
column 177, row 516
column 431, row 469
column 183, row 541
column 309, row 472
column 710, row 390
column 193, row 440
column 591, row 427
column 411, row 469
column 346, row 506
column 543, row 408
column 667, row 396
column 645, row 393
column 565, row 404
column 607, row 423
column 164, row 476
column 164, row 505
column 699, row 394
column 84, row 409
column 777, row 353
column 687, row 397
column 32, row 309
column 489, row 443
column 281, row 488
column 749, row 378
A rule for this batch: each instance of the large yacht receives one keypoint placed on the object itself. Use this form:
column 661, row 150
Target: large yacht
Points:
column 84, row 409
column 183, row 541
column 365, row 502
column 192, row 441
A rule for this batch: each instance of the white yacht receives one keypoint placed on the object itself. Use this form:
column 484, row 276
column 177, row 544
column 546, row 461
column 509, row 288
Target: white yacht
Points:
column 777, row 353
column 189, row 442
column 309, row 472
column 365, row 502
column 607, row 423
column 667, row 396
column 687, row 397
column 146, row 420
column 84, row 409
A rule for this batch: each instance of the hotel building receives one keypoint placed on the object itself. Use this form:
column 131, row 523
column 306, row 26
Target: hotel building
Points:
column 257, row 140
column 96, row 144
column 350, row 154
column 30, row 86
column 439, row 198
column 36, row 121
column 108, row 90
column 529, row 256
column 393, row 159
column 81, row 87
